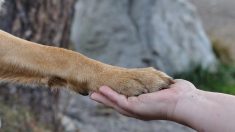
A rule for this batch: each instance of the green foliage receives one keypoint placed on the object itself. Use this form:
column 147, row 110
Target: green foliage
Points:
column 18, row 119
column 221, row 81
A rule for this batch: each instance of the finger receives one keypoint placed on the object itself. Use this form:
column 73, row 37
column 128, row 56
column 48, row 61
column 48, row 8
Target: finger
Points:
column 118, row 99
column 182, row 84
column 102, row 99
column 178, row 80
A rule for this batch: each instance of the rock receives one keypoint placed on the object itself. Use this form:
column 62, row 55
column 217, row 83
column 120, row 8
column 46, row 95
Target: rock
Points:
column 68, row 124
column 88, row 117
column 1, row 6
column 166, row 34
column 1, row 2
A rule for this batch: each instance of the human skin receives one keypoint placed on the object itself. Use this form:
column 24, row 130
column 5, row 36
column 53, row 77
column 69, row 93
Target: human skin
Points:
column 181, row 102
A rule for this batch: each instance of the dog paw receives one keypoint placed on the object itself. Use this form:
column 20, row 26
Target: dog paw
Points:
column 133, row 82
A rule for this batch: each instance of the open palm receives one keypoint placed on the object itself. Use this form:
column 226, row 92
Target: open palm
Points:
column 159, row 105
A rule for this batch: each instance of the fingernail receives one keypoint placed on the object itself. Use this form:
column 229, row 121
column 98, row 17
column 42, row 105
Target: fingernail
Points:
column 103, row 88
column 92, row 96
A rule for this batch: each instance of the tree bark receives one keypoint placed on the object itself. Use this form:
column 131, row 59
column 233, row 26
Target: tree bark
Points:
column 166, row 34
column 46, row 22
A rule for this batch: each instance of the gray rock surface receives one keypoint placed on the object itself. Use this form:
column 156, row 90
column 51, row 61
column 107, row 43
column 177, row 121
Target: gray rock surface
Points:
column 84, row 115
column 166, row 34
column 1, row 3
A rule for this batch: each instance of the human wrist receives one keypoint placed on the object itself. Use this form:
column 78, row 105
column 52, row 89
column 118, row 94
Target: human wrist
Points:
column 189, row 106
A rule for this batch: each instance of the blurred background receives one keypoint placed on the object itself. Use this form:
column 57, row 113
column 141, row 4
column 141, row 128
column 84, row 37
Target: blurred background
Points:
column 189, row 39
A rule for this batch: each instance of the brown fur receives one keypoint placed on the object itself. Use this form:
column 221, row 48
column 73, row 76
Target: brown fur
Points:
column 26, row 62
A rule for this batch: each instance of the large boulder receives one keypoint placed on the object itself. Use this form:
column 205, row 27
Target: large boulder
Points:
column 166, row 34
column 1, row 2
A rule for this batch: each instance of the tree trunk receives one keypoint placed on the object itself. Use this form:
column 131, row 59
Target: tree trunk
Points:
column 166, row 34
column 42, row 21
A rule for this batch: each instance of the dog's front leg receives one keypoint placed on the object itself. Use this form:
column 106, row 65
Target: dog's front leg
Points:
column 30, row 63
column 25, row 62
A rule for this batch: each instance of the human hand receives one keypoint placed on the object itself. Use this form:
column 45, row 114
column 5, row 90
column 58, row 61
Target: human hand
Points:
column 159, row 105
